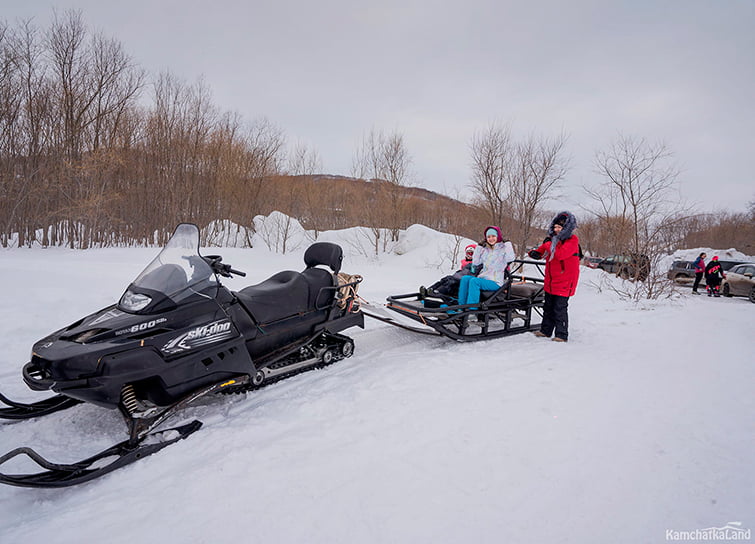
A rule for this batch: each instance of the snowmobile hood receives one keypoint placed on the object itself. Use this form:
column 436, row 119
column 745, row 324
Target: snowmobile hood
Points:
column 76, row 351
column 106, row 325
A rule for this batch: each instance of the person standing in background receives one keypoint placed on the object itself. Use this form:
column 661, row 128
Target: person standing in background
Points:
column 714, row 273
column 699, row 271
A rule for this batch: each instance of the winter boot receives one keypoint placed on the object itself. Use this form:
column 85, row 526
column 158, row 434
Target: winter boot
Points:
column 540, row 334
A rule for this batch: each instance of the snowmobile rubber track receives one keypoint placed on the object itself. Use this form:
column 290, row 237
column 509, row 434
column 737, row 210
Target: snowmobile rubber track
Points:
column 61, row 475
column 289, row 365
column 19, row 410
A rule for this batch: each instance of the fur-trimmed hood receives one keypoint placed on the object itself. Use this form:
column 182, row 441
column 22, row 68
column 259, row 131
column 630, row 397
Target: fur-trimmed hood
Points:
column 569, row 224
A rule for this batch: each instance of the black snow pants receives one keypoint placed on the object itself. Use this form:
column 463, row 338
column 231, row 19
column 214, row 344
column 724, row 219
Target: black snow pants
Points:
column 698, row 279
column 714, row 284
column 555, row 316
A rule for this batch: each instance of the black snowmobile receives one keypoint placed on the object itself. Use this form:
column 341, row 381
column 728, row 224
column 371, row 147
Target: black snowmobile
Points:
column 516, row 307
column 177, row 334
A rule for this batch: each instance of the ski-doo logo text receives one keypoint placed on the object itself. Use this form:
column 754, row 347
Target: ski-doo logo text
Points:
column 199, row 336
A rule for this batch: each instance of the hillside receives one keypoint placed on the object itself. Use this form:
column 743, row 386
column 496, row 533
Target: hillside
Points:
column 326, row 202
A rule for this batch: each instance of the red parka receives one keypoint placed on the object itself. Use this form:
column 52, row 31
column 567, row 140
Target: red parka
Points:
column 561, row 271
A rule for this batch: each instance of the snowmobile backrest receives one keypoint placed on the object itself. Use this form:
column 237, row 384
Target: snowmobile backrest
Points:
column 324, row 253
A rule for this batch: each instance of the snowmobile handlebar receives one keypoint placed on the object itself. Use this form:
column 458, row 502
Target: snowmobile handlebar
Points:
column 225, row 270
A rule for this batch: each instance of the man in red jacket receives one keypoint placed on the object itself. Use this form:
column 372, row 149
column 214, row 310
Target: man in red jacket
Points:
column 560, row 249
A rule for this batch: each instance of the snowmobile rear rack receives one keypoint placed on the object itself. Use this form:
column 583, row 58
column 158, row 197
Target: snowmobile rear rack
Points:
column 512, row 309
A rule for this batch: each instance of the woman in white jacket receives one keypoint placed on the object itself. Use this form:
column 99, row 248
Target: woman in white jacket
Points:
column 490, row 261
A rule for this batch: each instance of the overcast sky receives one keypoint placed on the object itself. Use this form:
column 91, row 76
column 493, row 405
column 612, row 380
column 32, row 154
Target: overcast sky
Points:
column 328, row 71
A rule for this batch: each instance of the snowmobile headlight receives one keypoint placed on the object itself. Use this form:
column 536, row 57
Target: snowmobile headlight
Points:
column 133, row 302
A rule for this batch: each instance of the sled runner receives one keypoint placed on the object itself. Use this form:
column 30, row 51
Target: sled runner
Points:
column 514, row 308
column 177, row 334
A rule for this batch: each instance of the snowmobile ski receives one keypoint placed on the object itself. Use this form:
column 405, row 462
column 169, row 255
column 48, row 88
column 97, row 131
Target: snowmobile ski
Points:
column 142, row 441
column 20, row 410
column 123, row 453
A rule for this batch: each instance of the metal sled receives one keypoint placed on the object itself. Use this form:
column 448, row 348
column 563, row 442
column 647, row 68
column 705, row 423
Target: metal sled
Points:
column 514, row 308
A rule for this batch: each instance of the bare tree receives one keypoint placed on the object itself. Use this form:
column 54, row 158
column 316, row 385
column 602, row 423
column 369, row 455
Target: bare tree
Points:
column 717, row 230
column 265, row 143
column 541, row 166
column 493, row 157
column 304, row 163
column 385, row 157
column 515, row 179
column 636, row 201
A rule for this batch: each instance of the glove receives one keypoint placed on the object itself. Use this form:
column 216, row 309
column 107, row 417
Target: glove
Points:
column 535, row 254
column 546, row 239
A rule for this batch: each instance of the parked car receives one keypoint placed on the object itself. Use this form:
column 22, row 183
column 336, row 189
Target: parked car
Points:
column 728, row 265
column 739, row 281
column 681, row 271
column 627, row 266
column 591, row 262
column 684, row 271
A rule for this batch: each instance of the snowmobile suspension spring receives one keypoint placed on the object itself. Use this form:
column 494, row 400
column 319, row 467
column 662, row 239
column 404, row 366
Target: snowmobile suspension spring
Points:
column 128, row 396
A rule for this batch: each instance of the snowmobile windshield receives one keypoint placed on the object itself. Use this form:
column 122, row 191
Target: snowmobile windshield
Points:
column 175, row 275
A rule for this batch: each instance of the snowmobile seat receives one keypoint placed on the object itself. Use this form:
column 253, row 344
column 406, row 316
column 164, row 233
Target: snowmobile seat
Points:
column 321, row 282
column 290, row 293
column 282, row 295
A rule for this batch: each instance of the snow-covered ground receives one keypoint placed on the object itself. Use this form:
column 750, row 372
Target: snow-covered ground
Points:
column 643, row 423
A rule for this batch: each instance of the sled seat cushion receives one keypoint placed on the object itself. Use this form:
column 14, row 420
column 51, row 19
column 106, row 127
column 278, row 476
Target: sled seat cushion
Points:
column 527, row 290
column 516, row 290
column 282, row 295
column 491, row 295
